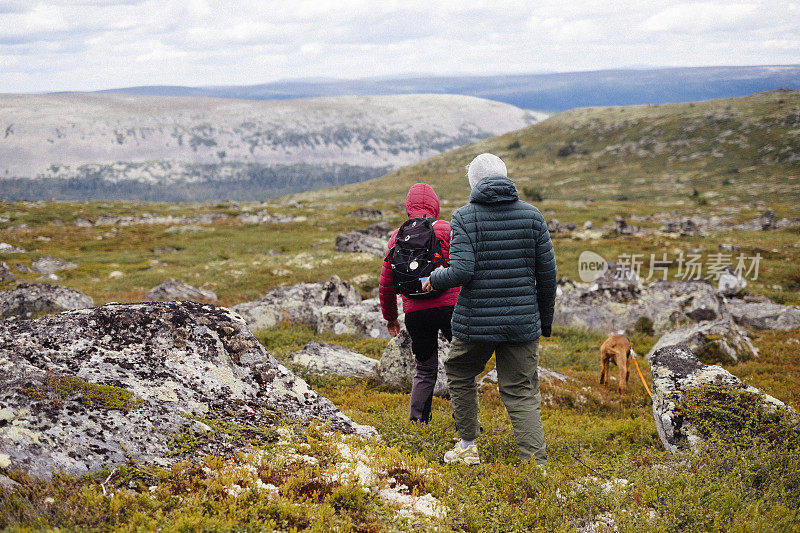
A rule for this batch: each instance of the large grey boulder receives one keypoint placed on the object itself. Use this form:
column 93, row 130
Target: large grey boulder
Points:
column 714, row 341
column 676, row 371
column 29, row 299
column 47, row 264
column 613, row 305
column 356, row 241
column 100, row 387
column 364, row 320
column 5, row 272
column 397, row 365
column 324, row 359
column 297, row 303
column 764, row 314
column 173, row 289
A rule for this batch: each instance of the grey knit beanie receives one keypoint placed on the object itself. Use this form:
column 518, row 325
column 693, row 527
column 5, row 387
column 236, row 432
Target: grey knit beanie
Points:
column 483, row 166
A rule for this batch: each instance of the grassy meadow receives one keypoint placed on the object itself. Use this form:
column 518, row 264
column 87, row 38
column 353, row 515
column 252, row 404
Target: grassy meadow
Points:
column 607, row 471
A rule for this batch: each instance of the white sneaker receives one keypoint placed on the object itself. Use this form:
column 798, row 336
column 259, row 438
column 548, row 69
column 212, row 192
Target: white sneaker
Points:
column 468, row 456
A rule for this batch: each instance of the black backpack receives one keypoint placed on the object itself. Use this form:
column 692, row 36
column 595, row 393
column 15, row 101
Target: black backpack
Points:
column 415, row 254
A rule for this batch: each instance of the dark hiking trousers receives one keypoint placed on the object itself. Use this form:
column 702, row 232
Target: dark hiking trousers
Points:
column 423, row 327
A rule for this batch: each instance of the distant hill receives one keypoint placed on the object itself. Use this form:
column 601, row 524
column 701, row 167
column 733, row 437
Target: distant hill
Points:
column 111, row 146
column 548, row 92
column 726, row 151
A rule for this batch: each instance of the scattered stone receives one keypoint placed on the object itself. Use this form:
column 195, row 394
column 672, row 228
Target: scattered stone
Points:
column 763, row 314
column 149, row 370
column 731, row 283
column 261, row 217
column 685, row 227
column 360, row 243
column 29, row 299
column 364, row 320
column 324, row 359
column 173, row 289
column 676, row 370
column 621, row 227
column 5, row 272
column 554, row 226
column 616, row 305
column 19, row 227
column 397, row 365
column 191, row 228
column 161, row 251
column 48, row 264
column 729, row 248
column 6, row 248
column 297, row 303
column 382, row 230
column 587, row 224
column 367, row 213
column 24, row 269
column 83, row 222
column 713, row 341
column 116, row 274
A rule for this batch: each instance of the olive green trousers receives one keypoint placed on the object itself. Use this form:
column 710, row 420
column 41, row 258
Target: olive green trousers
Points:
column 518, row 380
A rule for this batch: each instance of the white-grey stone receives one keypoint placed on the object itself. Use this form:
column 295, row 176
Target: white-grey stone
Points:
column 6, row 248
column 730, row 283
column 323, row 358
column 297, row 303
column 713, row 341
column 397, row 365
column 763, row 314
column 360, row 242
column 48, row 264
column 675, row 369
column 178, row 360
column 28, row 299
column 363, row 320
column 173, row 289
column 5, row 272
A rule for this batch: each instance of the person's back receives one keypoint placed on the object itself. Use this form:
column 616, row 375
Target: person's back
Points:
column 502, row 257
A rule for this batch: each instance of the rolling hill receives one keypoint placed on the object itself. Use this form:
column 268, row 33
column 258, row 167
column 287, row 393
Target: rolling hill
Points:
column 726, row 151
column 82, row 146
column 553, row 92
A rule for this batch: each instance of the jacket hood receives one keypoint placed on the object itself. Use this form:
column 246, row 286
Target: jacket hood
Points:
column 422, row 201
column 494, row 189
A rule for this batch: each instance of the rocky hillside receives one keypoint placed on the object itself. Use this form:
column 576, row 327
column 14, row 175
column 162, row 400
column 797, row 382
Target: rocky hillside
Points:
column 78, row 146
column 723, row 151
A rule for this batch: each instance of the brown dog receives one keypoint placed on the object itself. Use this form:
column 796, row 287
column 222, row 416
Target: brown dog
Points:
column 616, row 348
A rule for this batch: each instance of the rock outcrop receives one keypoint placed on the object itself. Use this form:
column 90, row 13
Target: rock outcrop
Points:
column 29, row 299
column 713, row 341
column 676, row 372
column 297, row 303
column 48, row 264
column 763, row 314
column 173, row 289
column 397, row 366
column 323, row 358
column 6, row 248
column 358, row 242
column 364, row 319
column 5, row 272
column 366, row 213
column 612, row 305
column 100, row 387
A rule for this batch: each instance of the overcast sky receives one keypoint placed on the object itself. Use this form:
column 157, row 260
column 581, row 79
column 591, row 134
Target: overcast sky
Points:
column 93, row 44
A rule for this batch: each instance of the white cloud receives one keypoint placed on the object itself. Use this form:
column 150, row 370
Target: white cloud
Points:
column 95, row 44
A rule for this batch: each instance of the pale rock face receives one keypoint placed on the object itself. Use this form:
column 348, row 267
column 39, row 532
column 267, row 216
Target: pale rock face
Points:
column 358, row 242
column 29, row 299
column 48, row 265
column 173, row 289
column 364, row 320
column 764, row 315
column 6, row 248
column 177, row 360
column 5, row 272
column 397, row 364
column 297, row 303
column 324, row 359
column 675, row 369
column 730, row 283
column 610, row 306
column 713, row 341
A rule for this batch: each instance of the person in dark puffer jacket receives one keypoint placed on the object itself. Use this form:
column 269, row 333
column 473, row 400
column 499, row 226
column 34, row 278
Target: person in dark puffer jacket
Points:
column 501, row 256
column 424, row 318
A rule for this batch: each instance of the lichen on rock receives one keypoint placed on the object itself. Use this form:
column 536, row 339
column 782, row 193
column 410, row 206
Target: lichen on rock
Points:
column 129, row 377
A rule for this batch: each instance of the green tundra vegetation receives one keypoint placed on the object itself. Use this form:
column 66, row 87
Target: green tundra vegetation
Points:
column 735, row 157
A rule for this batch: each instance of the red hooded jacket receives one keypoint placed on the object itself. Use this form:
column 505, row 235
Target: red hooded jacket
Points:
column 421, row 200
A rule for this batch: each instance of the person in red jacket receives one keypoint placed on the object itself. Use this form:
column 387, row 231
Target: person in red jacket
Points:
column 424, row 318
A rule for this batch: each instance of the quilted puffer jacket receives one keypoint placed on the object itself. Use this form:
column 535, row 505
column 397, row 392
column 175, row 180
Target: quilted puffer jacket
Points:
column 502, row 257
column 420, row 201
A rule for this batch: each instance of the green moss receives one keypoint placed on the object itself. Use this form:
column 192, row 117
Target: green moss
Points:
column 93, row 394
column 737, row 416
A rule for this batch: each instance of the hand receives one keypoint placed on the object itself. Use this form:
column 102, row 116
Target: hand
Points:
column 427, row 287
column 394, row 327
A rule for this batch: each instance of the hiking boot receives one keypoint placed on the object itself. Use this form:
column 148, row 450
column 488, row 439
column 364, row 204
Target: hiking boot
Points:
column 468, row 456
